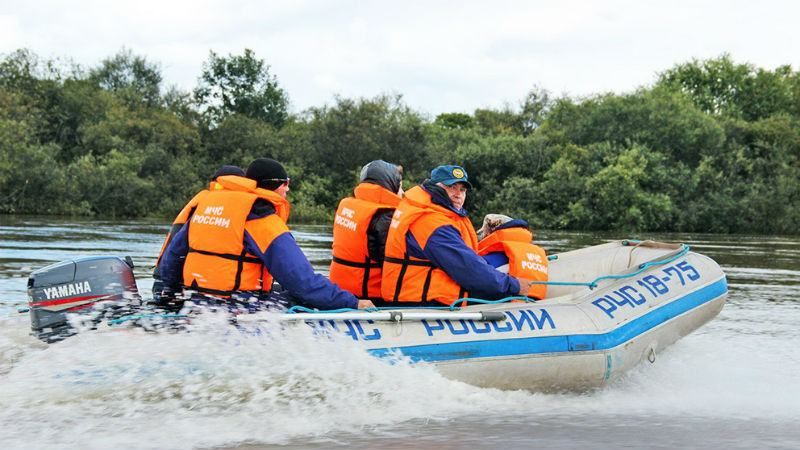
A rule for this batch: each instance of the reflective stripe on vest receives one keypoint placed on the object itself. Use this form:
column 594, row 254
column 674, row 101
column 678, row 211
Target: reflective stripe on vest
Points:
column 525, row 260
column 407, row 279
column 217, row 262
column 351, row 267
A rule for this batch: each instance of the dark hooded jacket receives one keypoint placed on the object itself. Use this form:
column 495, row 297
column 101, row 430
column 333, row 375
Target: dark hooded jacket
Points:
column 388, row 176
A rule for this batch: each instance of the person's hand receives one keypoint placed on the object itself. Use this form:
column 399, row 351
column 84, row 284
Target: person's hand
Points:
column 524, row 286
column 364, row 304
column 167, row 299
column 162, row 294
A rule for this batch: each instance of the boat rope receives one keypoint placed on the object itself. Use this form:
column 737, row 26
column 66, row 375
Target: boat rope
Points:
column 453, row 306
column 684, row 249
column 130, row 317
column 303, row 309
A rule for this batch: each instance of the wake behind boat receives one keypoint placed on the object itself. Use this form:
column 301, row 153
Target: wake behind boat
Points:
column 608, row 308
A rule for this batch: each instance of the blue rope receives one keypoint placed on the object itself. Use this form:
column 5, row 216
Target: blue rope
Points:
column 642, row 267
column 453, row 306
column 298, row 308
column 124, row 319
column 592, row 284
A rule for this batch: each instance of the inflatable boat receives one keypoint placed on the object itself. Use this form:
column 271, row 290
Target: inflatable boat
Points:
column 608, row 308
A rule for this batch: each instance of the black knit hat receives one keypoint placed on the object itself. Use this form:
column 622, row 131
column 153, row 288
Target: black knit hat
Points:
column 227, row 170
column 268, row 173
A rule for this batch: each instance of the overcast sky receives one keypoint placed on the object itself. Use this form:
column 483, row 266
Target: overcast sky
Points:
column 441, row 56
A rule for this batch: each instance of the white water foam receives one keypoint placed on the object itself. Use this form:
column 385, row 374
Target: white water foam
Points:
column 218, row 387
column 213, row 386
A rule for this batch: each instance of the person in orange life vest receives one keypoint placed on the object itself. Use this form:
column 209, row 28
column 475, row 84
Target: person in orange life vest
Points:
column 360, row 228
column 183, row 216
column 505, row 243
column 431, row 251
column 238, row 241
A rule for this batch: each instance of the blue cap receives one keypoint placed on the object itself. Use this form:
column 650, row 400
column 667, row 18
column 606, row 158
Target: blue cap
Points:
column 450, row 175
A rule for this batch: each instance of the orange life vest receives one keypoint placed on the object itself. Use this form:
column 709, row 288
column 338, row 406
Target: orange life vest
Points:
column 217, row 262
column 409, row 279
column 525, row 260
column 184, row 216
column 351, row 267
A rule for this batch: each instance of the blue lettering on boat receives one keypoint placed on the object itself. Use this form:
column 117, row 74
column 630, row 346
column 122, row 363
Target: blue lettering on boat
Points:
column 485, row 327
column 460, row 331
column 652, row 284
column 354, row 329
column 520, row 320
column 375, row 335
column 502, row 327
column 624, row 296
column 605, row 305
column 625, row 290
column 431, row 328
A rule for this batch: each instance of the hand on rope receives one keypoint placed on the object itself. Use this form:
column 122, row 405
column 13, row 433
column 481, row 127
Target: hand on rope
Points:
column 524, row 286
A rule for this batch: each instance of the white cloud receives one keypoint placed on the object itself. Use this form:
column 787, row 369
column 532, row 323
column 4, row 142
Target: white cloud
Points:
column 10, row 34
column 443, row 56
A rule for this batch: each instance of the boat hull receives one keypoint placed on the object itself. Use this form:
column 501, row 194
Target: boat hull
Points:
column 583, row 339
column 576, row 370
column 609, row 308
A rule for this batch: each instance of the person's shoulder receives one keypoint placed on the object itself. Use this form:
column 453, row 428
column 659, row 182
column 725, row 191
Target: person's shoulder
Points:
column 435, row 219
column 429, row 223
column 261, row 208
column 264, row 220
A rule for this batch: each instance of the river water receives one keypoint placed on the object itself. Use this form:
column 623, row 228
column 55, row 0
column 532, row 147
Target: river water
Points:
column 732, row 384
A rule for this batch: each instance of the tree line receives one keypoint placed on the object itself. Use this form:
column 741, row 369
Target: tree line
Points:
column 712, row 146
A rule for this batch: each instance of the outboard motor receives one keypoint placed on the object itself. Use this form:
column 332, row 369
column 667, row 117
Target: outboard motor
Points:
column 99, row 286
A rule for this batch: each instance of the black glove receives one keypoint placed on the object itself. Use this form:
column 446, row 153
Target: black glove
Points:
column 158, row 287
column 166, row 298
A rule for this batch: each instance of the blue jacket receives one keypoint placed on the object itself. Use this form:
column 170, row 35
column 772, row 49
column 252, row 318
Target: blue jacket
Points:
column 283, row 259
column 447, row 250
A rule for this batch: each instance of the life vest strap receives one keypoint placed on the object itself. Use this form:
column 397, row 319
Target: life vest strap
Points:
column 427, row 286
column 229, row 293
column 365, row 279
column 360, row 265
column 239, row 267
column 203, row 290
column 408, row 262
column 404, row 263
column 240, row 258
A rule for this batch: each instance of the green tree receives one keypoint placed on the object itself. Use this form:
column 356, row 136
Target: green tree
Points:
column 536, row 105
column 545, row 201
column 722, row 87
column 240, row 85
column 491, row 160
column 458, row 121
column 130, row 77
column 617, row 198
column 238, row 140
column 22, row 71
column 351, row 133
column 494, row 122
column 659, row 119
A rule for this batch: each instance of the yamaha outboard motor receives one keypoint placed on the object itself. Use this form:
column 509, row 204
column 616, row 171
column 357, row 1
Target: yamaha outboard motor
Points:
column 99, row 286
